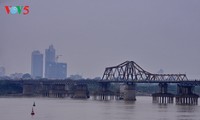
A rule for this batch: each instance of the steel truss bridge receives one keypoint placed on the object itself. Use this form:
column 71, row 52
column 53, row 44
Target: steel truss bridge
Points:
column 129, row 71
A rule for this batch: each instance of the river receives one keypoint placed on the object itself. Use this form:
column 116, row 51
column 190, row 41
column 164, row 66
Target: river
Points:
column 70, row 109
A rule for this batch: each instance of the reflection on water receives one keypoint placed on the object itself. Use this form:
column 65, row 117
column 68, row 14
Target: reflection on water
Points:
column 186, row 112
column 186, row 108
column 68, row 109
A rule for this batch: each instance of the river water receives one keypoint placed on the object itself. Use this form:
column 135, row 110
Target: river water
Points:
column 69, row 109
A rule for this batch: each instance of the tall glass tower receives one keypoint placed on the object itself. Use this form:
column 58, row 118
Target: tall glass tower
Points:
column 50, row 57
column 37, row 64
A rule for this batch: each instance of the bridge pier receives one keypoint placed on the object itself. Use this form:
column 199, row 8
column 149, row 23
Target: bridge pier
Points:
column 186, row 96
column 45, row 90
column 130, row 92
column 58, row 91
column 53, row 90
column 28, row 89
column 81, row 91
column 104, row 93
column 163, row 97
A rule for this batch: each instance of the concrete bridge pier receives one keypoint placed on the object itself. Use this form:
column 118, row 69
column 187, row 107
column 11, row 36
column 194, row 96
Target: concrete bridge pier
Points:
column 46, row 90
column 117, row 95
column 130, row 92
column 163, row 97
column 185, row 95
column 81, row 91
column 58, row 91
column 28, row 89
column 104, row 93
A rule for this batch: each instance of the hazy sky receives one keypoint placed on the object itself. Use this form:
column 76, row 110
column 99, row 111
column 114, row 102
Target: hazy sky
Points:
column 93, row 34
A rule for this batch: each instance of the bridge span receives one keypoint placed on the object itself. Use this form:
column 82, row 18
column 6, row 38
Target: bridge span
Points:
column 127, row 75
column 132, row 73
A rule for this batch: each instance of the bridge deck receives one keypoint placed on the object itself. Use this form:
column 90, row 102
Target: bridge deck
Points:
column 92, row 81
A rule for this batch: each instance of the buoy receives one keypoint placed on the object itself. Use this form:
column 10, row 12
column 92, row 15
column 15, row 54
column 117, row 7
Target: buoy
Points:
column 34, row 104
column 32, row 113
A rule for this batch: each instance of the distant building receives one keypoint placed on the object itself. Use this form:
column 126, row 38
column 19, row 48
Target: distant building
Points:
column 57, row 70
column 50, row 56
column 36, row 64
column 61, row 70
column 54, row 69
column 2, row 71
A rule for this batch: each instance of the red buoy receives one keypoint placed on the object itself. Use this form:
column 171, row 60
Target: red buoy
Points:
column 32, row 113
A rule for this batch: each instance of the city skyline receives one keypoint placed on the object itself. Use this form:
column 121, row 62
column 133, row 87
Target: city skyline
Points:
column 92, row 35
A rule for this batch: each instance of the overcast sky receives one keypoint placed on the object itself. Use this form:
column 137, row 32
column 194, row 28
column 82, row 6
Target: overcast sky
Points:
column 94, row 34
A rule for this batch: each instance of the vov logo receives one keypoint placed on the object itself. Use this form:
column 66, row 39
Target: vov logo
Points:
column 17, row 10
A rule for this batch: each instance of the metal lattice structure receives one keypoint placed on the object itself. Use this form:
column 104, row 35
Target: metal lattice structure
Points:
column 130, row 71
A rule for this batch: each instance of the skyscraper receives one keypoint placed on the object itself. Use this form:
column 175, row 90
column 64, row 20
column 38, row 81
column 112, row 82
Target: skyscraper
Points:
column 54, row 69
column 36, row 64
column 50, row 56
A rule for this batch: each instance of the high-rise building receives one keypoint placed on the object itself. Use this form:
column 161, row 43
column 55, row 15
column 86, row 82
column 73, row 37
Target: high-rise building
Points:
column 54, row 69
column 50, row 56
column 2, row 71
column 57, row 70
column 36, row 64
column 61, row 70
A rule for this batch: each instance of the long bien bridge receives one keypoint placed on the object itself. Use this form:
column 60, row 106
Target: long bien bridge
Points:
column 127, row 75
column 131, row 73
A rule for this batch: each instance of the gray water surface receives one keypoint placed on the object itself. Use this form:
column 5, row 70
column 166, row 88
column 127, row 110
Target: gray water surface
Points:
column 69, row 109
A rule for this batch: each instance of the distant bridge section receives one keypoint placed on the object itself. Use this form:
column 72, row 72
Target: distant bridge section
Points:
column 130, row 71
